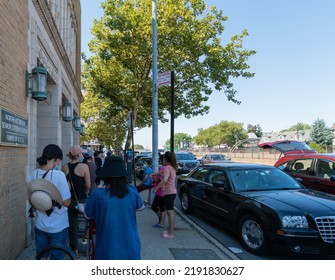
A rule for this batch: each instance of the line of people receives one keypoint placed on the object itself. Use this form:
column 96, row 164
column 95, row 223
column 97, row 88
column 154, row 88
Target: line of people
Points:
column 111, row 204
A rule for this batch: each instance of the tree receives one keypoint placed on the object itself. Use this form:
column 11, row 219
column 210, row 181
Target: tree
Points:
column 179, row 138
column 138, row 147
column 189, row 43
column 255, row 129
column 205, row 137
column 225, row 132
column 232, row 132
column 321, row 135
column 102, row 123
column 298, row 127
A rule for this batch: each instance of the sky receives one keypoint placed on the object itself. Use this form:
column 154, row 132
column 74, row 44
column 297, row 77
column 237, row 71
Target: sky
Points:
column 294, row 70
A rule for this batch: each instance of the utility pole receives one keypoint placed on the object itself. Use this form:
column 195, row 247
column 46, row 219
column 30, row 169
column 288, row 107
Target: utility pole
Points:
column 154, row 94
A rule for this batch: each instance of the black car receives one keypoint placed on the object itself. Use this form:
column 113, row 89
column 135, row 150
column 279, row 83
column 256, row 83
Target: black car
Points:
column 263, row 205
column 185, row 162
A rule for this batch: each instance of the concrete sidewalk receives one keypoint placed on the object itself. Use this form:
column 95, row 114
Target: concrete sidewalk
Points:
column 190, row 241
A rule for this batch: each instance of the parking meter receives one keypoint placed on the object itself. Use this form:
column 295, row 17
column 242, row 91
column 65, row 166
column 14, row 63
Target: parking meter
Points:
column 129, row 165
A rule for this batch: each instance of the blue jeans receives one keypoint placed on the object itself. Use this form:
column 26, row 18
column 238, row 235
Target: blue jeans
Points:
column 42, row 239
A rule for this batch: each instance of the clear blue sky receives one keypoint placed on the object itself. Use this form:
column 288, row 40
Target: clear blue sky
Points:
column 294, row 65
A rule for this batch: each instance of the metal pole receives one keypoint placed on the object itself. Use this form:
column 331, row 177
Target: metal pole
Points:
column 154, row 95
column 172, row 113
column 133, row 146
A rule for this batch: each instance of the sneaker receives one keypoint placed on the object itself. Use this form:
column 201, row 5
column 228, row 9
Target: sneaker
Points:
column 84, row 241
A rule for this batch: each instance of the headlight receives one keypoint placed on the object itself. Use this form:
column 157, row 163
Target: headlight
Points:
column 294, row 222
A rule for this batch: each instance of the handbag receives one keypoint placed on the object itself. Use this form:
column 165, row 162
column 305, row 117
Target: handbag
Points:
column 80, row 206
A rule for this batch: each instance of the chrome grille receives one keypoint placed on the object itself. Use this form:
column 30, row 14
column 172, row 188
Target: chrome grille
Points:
column 326, row 227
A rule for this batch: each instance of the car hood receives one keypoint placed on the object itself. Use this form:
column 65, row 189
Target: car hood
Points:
column 188, row 161
column 297, row 201
column 288, row 147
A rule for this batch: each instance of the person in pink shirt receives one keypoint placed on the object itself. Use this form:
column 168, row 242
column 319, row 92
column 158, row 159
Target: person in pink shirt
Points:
column 158, row 203
column 167, row 184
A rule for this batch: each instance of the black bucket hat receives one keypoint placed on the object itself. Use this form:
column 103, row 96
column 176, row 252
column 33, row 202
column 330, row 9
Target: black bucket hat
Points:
column 113, row 167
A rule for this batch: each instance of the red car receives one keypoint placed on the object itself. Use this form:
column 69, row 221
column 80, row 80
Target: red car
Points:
column 314, row 170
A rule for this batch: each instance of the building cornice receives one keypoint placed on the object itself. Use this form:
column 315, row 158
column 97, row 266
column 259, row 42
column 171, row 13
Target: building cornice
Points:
column 46, row 17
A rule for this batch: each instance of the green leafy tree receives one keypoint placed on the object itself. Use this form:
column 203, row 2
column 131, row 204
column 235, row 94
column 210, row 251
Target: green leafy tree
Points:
column 188, row 43
column 298, row 127
column 321, row 135
column 255, row 129
column 138, row 147
column 225, row 132
column 205, row 137
column 316, row 147
column 179, row 138
column 101, row 122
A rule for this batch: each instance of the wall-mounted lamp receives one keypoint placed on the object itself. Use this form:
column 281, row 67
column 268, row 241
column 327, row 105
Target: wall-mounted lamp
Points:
column 38, row 77
column 66, row 111
column 82, row 130
column 77, row 123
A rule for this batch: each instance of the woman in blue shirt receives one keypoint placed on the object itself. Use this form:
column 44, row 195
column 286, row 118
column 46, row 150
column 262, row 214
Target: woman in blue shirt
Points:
column 113, row 207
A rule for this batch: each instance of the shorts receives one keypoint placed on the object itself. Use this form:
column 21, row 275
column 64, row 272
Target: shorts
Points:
column 169, row 201
column 158, row 204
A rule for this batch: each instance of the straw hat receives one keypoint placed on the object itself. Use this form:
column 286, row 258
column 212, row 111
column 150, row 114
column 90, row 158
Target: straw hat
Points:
column 43, row 195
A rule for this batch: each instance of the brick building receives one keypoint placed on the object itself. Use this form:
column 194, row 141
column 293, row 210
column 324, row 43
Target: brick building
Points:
column 43, row 33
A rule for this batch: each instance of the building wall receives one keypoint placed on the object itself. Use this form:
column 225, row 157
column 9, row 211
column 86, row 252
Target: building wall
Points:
column 32, row 33
column 14, row 53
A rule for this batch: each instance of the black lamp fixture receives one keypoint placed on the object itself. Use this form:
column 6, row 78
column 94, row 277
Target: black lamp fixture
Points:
column 38, row 78
column 66, row 111
column 77, row 123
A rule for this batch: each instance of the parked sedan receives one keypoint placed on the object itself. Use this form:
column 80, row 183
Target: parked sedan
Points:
column 213, row 158
column 314, row 170
column 264, row 206
column 185, row 162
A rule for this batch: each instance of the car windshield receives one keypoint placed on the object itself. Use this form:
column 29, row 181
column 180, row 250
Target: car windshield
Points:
column 184, row 157
column 218, row 157
column 262, row 179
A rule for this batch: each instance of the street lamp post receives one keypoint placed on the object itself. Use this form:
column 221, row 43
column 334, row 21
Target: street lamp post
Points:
column 154, row 94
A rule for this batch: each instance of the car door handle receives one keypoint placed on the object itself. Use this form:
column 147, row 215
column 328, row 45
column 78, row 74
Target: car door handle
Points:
column 317, row 181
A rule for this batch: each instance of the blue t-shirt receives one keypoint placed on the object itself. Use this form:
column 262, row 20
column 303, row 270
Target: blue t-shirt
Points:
column 117, row 235
column 147, row 171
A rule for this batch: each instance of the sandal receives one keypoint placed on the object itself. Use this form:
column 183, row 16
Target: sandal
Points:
column 165, row 235
column 158, row 226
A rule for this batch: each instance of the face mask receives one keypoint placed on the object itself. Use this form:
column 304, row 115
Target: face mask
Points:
column 57, row 167
column 81, row 159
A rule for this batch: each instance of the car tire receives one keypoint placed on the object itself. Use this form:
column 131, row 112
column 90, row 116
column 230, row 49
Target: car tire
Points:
column 186, row 203
column 252, row 235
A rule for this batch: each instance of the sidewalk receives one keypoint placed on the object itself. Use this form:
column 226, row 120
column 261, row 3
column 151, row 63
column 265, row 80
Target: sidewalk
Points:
column 190, row 241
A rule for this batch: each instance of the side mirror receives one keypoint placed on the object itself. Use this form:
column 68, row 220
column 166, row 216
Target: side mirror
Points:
column 332, row 178
column 220, row 184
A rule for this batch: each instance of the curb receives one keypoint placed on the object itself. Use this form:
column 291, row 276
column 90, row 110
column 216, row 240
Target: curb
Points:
column 221, row 247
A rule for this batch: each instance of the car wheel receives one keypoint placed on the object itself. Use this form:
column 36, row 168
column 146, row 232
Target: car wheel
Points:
column 252, row 235
column 186, row 203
